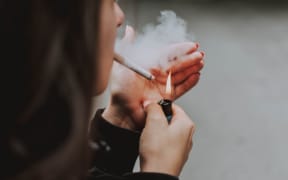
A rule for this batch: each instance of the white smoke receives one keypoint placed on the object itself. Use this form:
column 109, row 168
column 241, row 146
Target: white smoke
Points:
column 146, row 49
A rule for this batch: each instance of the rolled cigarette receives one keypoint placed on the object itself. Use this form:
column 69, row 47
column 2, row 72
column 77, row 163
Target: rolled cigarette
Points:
column 134, row 67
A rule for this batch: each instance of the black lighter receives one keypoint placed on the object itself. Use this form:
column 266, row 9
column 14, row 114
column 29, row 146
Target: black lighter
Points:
column 167, row 108
column 166, row 103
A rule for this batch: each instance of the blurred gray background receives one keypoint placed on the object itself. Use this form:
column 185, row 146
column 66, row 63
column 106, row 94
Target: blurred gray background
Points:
column 240, row 106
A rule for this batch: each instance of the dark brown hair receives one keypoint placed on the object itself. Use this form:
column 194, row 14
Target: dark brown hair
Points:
column 49, row 56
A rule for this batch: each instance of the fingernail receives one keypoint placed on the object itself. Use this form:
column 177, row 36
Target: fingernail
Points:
column 202, row 53
column 146, row 103
column 127, row 28
column 197, row 74
column 197, row 45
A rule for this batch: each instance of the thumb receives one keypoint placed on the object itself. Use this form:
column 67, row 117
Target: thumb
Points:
column 155, row 116
column 129, row 35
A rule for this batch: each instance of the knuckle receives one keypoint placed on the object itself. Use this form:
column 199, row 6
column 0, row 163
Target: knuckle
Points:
column 193, row 128
column 191, row 125
column 191, row 146
column 190, row 142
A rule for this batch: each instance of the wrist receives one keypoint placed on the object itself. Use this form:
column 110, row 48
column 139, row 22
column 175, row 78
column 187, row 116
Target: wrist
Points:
column 118, row 117
column 160, row 168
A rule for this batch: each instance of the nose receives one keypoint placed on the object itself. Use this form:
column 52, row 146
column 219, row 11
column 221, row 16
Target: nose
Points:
column 120, row 17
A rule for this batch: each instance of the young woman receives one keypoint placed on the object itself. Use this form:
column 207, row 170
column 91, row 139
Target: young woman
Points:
column 59, row 54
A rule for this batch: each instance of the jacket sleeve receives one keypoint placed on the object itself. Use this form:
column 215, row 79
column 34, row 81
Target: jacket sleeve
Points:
column 114, row 149
column 114, row 152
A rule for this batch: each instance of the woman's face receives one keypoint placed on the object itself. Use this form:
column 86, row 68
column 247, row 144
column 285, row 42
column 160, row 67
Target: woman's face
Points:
column 111, row 17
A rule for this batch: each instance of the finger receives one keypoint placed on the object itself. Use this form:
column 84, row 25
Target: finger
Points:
column 180, row 77
column 181, row 49
column 187, row 48
column 129, row 35
column 190, row 140
column 161, row 76
column 188, row 84
column 191, row 136
column 190, row 143
column 182, row 119
column 157, row 72
column 202, row 63
column 162, row 79
column 187, row 61
column 195, row 48
column 155, row 116
column 146, row 103
column 194, row 59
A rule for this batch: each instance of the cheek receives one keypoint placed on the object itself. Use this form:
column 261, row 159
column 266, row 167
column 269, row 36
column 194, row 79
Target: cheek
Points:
column 104, row 66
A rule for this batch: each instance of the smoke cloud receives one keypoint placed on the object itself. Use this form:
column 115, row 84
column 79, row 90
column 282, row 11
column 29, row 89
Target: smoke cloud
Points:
column 148, row 47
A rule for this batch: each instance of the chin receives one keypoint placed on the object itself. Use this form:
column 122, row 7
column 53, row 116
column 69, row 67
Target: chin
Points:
column 100, row 88
column 99, row 91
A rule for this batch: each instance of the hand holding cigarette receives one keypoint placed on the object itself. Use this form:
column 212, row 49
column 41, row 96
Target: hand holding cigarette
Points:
column 185, row 61
column 129, row 91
